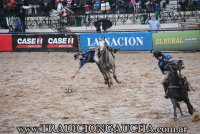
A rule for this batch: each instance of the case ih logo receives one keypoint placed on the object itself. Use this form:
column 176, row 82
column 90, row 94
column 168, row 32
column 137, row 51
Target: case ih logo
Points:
column 29, row 42
column 60, row 42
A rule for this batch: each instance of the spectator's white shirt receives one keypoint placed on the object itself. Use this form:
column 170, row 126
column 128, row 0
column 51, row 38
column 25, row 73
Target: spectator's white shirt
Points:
column 154, row 24
column 60, row 7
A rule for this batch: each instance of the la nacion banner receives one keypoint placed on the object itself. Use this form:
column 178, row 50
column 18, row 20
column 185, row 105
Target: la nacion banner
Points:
column 123, row 41
column 177, row 40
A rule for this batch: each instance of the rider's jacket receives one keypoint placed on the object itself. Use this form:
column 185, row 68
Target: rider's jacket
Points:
column 163, row 62
column 87, row 56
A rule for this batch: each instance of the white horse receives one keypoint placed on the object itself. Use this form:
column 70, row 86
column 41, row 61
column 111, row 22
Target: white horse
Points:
column 107, row 63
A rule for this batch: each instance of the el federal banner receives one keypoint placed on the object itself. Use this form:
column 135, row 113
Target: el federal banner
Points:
column 176, row 41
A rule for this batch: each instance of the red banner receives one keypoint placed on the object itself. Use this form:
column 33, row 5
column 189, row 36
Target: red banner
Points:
column 5, row 42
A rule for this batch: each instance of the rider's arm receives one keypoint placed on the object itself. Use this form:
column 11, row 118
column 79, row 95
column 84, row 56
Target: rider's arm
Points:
column 93, row 48
column 81, row 64
column 161, row 68
column 75, row 74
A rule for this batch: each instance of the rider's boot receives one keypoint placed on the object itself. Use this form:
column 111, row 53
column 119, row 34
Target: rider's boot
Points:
column 166, row 90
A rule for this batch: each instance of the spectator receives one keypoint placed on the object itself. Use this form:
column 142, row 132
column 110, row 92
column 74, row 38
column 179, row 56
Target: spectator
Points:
column 198, row 3
column 156, row 6
column 143, row 5
column 97, row 5
column 149, row 6
column 190, row 4
column 11, row 30
column 101, row 28
column 183, row 4
column 56, row 3
column 81, row 3
column 47, row 6
column 35, row 6
column 163, row 3
column 154, row 24
column 138, row 7
column 133, row 3
column 19, row 27
column 69, row 3
column 25, row 5
column 67, row 11
column 119, row 4
column 87, row 9
column 60, row 7
column 1, row 13
column 22, row 16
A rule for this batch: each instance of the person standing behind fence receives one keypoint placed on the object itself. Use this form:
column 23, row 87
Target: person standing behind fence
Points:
column 19, row 28
column 154, row 24
column 101, row 28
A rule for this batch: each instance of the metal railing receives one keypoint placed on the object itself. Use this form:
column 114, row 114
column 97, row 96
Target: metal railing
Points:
column 62, row 23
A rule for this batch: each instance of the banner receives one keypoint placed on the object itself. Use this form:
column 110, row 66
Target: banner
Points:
column 61, row 42
column 176, row 41
column 5, row 42
column 124, row 41
column 49, row 42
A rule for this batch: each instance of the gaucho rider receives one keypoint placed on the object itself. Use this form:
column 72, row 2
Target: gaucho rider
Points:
column 89, row 56
column 162, row 62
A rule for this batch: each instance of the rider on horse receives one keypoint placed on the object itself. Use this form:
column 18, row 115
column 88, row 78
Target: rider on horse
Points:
column 89, row 56
column 162, row 62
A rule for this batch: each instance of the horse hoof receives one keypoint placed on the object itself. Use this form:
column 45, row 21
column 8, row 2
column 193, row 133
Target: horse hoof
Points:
column 182, row 115
column 175, row 118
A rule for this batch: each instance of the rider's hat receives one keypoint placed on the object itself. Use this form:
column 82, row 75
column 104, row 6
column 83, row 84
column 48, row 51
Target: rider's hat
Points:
column 157, row 54
column 76, row 55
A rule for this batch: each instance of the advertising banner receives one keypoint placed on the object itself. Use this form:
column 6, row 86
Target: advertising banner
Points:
column 176, row 41
column 49, row 42
column 124, row 41
column 61, row 42
column 5, row 42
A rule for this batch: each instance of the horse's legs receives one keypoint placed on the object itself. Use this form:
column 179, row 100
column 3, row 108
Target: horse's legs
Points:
column 174, row 102
column 179, row 107
column 103, row 73
column 110, row 78
column 114, row 74
column 189, row 105
column 107, row 78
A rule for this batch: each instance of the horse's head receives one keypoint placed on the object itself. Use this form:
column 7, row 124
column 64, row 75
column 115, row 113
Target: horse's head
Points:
column 102, row 44
column 174, row 65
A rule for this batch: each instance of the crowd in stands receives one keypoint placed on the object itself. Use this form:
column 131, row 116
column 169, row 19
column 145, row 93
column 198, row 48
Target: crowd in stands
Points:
column 189, row 4
column 42, row 7
column 22, row 8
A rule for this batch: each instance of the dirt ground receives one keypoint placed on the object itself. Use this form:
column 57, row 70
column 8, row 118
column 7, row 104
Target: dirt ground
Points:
column 33, row 91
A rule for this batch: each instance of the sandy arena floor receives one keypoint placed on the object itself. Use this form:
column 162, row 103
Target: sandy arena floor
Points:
column 33, row 91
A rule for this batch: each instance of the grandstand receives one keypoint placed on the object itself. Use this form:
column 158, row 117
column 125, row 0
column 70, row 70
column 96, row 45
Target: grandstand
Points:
column 124, row 18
